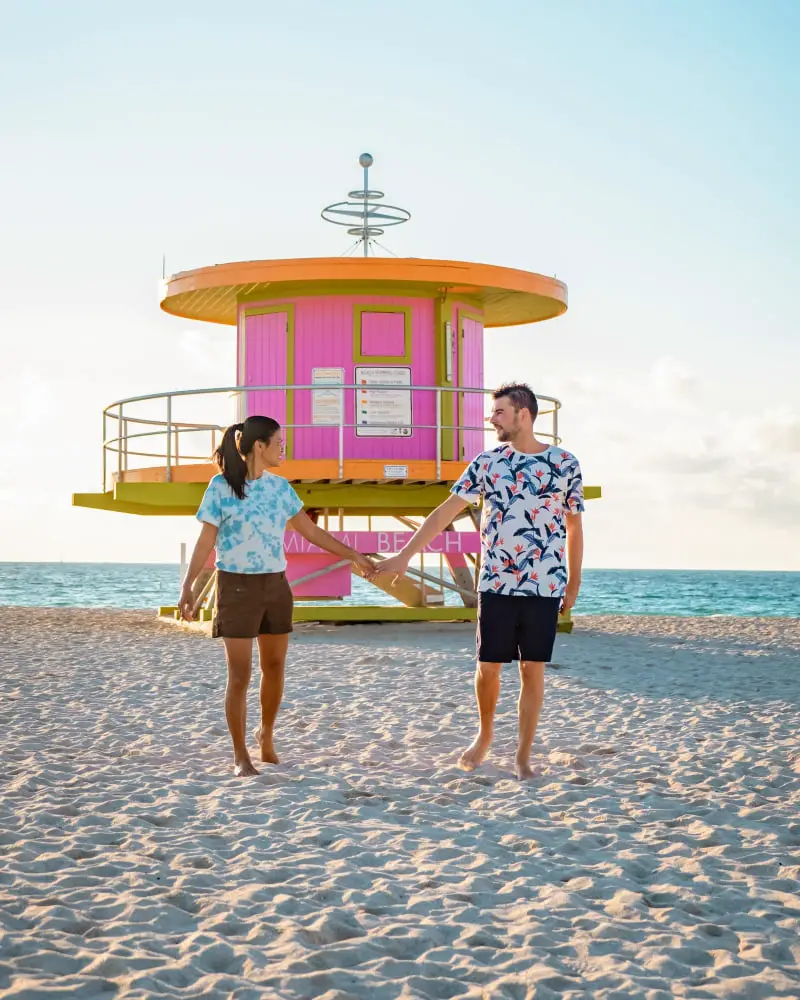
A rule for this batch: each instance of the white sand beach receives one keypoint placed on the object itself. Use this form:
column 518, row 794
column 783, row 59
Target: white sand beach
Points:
column 657, row 855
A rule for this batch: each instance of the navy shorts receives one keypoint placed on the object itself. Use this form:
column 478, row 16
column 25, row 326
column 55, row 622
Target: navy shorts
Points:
column 516, row 628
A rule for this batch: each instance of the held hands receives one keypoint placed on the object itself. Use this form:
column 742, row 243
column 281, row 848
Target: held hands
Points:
column 366, row 565
column 394, row 567
column 570, row 596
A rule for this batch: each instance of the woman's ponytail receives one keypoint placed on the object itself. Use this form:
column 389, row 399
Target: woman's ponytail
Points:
column 230, row 454
column 230, row 461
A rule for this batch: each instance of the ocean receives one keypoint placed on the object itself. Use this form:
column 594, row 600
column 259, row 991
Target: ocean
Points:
column 604, row 591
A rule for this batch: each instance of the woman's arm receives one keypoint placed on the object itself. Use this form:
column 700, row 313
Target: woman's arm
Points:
column 202, row 550
column 303, row 524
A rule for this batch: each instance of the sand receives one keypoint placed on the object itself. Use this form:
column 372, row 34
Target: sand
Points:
column 657, row 855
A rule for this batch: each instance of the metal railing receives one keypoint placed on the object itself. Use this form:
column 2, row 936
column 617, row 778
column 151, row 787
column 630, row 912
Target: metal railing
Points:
column 172, row 432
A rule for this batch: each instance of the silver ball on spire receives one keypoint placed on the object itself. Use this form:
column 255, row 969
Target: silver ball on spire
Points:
column 365, row 160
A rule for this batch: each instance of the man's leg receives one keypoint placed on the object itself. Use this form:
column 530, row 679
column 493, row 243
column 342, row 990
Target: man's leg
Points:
column 239, row 653
column 531, row 699
column 272, row 657
column 487, row 691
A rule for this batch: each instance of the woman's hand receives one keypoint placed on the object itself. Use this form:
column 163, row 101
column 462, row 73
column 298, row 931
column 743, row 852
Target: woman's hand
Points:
column 202, row 550
column 367, row 566
column 186, row 603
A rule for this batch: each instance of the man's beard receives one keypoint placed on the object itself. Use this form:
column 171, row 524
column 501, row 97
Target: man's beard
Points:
column 507, row 435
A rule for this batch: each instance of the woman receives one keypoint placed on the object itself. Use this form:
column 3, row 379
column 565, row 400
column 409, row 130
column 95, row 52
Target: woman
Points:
column 245, row 512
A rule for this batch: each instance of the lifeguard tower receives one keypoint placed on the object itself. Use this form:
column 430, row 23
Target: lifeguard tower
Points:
column 374, row 367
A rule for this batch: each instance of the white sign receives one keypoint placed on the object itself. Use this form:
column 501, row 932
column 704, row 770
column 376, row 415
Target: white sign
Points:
column 383, row 412
column 395, row 472
column 327, row 405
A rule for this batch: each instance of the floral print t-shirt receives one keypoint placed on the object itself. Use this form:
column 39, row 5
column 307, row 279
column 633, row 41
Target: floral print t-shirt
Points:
column 523, row 534
column 250, row 538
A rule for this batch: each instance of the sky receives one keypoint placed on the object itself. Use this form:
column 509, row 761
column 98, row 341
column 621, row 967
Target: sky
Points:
column 647, row 154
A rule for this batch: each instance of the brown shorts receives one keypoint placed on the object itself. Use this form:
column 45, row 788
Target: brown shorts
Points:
column 251, row 604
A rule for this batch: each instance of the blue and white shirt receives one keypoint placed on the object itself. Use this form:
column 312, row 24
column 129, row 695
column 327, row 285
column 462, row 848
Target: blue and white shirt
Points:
column 523, row 533
column 250, row 538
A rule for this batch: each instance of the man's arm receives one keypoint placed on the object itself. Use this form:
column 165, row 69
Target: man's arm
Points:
column 433, row 525
column 574, row 526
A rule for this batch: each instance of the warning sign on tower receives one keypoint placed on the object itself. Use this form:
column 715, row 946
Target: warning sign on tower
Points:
column 383, row 412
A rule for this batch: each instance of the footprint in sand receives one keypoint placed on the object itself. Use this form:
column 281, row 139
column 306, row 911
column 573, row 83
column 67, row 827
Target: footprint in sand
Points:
column 220, row 958
column 202, row 862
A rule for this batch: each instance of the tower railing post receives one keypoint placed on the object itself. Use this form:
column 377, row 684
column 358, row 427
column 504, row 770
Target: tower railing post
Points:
column 438, row 434
column 120, row 431
column 341, row 436
column 169, row 438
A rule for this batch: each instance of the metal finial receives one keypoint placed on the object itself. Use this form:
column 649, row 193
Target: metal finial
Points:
column 365, row 206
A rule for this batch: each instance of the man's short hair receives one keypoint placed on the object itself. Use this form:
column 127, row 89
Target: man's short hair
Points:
column 521, row 395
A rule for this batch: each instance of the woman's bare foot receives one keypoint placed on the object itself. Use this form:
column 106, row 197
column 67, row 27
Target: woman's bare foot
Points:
column 268, row 755
column 473, row 756
column 243, row 768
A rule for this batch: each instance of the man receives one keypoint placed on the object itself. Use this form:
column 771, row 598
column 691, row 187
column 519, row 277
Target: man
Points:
column 532, row 549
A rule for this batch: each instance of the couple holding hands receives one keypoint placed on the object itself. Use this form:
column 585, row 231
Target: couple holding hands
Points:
column 531, row 556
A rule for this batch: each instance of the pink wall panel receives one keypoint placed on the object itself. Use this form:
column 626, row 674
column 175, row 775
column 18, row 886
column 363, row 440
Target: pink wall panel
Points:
column 265, row 362
column 468, row 372
column 474, row 406
column 321, row 341
column 324, row 339
column 334, row 583
column 383, row 333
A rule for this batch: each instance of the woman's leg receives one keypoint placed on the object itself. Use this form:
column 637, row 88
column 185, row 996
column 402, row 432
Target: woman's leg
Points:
column 239, row 653
column 272, row 657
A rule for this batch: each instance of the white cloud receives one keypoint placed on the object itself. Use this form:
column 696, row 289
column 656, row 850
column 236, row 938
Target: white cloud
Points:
column 208, row 355
column 672, row 381
column 684, row 469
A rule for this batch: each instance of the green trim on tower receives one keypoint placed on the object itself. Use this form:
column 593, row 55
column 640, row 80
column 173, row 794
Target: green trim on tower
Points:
column 359, row 358
column 361, row 499
column 314, row 289
column 363, row 613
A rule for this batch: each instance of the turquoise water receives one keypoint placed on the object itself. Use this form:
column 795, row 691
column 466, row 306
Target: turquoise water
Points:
column 604, row 591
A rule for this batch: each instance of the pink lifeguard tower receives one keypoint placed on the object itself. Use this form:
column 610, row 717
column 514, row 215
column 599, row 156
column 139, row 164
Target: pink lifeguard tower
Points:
column 374, row 367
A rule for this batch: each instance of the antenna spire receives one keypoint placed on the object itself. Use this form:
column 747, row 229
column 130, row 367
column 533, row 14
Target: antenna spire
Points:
column 365, row 205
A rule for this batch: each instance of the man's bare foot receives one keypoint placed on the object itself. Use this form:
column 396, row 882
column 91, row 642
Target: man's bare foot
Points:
column 244, row 768
column 268, row 755
column 473, row 756
column 523, row 770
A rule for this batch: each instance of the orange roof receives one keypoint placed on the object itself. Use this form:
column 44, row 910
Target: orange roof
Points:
column 508, row 296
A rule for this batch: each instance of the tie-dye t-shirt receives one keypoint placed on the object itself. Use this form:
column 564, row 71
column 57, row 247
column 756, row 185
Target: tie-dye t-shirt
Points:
column 250, row 538
column 523, row 534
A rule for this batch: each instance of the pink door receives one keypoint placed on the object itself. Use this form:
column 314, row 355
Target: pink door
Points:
column 473, row 405
column 265, row 348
